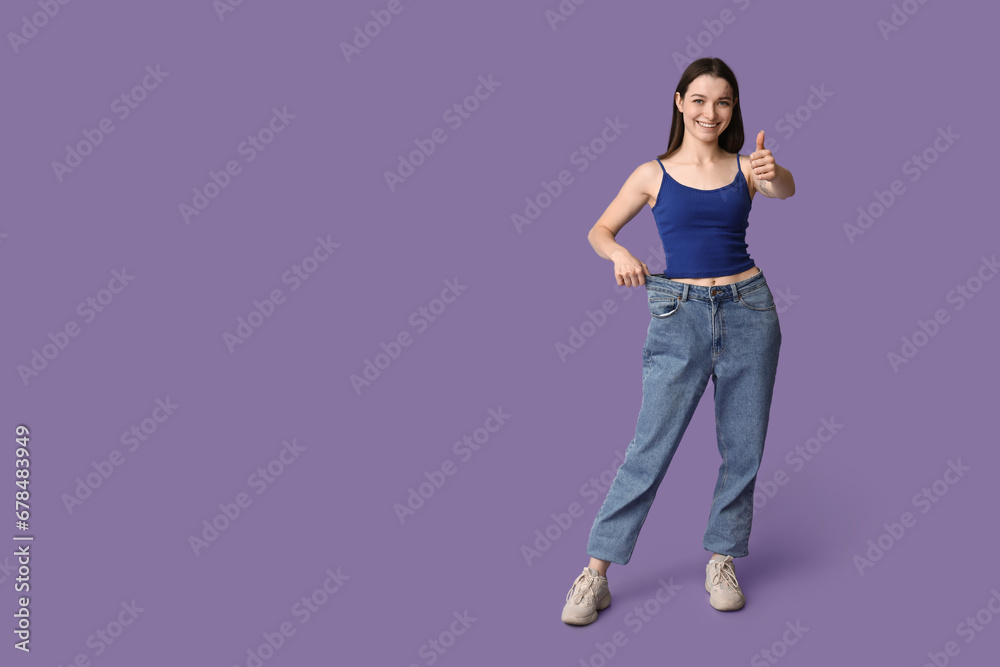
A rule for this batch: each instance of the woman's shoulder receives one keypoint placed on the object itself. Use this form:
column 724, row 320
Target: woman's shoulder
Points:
column 645, row 180
column 653, row 171
column 648, row 171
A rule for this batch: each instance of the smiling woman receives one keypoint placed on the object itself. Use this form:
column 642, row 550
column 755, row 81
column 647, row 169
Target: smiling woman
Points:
column 716, row 319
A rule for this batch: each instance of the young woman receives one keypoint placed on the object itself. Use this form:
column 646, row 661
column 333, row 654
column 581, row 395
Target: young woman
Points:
column 714, row 317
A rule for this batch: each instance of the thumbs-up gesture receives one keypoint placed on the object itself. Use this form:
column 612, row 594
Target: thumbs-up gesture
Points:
column 762, row 162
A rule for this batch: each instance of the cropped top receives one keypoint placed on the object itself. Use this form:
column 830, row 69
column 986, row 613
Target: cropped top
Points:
column 703, row 231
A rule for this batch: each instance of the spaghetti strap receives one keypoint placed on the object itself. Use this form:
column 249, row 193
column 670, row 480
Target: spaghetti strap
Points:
column 661, row 165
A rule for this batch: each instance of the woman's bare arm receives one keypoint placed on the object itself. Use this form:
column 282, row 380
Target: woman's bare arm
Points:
column 623, row 208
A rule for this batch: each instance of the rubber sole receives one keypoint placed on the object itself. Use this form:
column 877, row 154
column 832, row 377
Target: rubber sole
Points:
column 709, row 591
column 604, row 603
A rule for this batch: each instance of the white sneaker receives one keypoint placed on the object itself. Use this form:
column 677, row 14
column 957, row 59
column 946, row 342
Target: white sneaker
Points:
column 721, row 583
column 588, row 595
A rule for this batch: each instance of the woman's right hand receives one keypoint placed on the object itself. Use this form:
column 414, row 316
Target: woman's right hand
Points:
column 629, row 270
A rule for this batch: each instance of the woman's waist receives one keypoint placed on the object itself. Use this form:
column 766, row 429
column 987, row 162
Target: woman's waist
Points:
column 719, row 280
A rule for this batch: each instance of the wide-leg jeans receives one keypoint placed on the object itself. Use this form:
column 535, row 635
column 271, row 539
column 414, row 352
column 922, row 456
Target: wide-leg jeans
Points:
column 729, row 333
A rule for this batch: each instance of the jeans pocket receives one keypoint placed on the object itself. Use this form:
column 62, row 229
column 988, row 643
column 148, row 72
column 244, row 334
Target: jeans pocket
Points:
column 759, row 298
column 662, row 304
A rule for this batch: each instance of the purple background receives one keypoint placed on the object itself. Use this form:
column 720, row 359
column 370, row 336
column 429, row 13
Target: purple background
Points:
column 844, row 307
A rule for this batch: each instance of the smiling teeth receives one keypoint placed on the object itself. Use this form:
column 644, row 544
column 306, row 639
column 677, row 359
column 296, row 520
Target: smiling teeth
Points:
column 703, row 124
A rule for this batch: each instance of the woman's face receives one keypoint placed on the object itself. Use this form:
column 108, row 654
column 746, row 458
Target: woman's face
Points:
column 709, row 102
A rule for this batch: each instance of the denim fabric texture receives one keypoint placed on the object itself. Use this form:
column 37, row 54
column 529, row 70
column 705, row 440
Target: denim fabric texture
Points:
column 731, row 335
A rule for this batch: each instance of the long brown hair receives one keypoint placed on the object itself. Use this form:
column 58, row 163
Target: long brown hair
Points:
column 731, row 139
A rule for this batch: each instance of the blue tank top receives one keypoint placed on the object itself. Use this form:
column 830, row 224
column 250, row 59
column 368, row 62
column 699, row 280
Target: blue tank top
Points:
column 703, row 231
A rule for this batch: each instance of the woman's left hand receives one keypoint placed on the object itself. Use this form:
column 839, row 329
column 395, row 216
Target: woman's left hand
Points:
column 762, row 161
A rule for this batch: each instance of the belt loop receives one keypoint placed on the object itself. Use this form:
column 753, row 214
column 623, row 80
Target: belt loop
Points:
column 736, row 292
column 684, row 296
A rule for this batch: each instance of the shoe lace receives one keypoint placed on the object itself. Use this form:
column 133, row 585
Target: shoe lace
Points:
column 724, row 574
column 582, row 588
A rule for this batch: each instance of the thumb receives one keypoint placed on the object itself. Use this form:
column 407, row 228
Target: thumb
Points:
column 760, row 140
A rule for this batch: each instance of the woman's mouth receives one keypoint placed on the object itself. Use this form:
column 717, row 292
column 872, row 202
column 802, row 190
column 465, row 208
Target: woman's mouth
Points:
column 706, row 126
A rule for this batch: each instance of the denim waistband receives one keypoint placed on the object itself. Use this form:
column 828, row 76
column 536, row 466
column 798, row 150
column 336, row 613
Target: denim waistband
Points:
column 658, row 283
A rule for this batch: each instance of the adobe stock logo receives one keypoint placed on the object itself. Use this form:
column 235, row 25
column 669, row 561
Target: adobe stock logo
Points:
column 87, row 309
column 593, row 320
column 698, row 44
column 223, row 7
column 122, row 106
column 779, row 647
column 38, row 20
column 362, row 38
column 915, row 167
column 637, row 619
column 264, row 310
column 925, row 499
column 436, row 647
column 969, row 628
column 456, row 116
column 926, row 330
column 562, row 12
column 767, row 487
column 259, row 480
column 303, row 609
column 436, row 478
column 584, row 155
column 105, row 636
column 898, row 17
column 134, row 437
column 250, row 148
column 420, row 320
column 593, row 489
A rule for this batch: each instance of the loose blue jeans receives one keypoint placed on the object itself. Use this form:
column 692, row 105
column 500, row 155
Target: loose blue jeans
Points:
column 731, row 334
